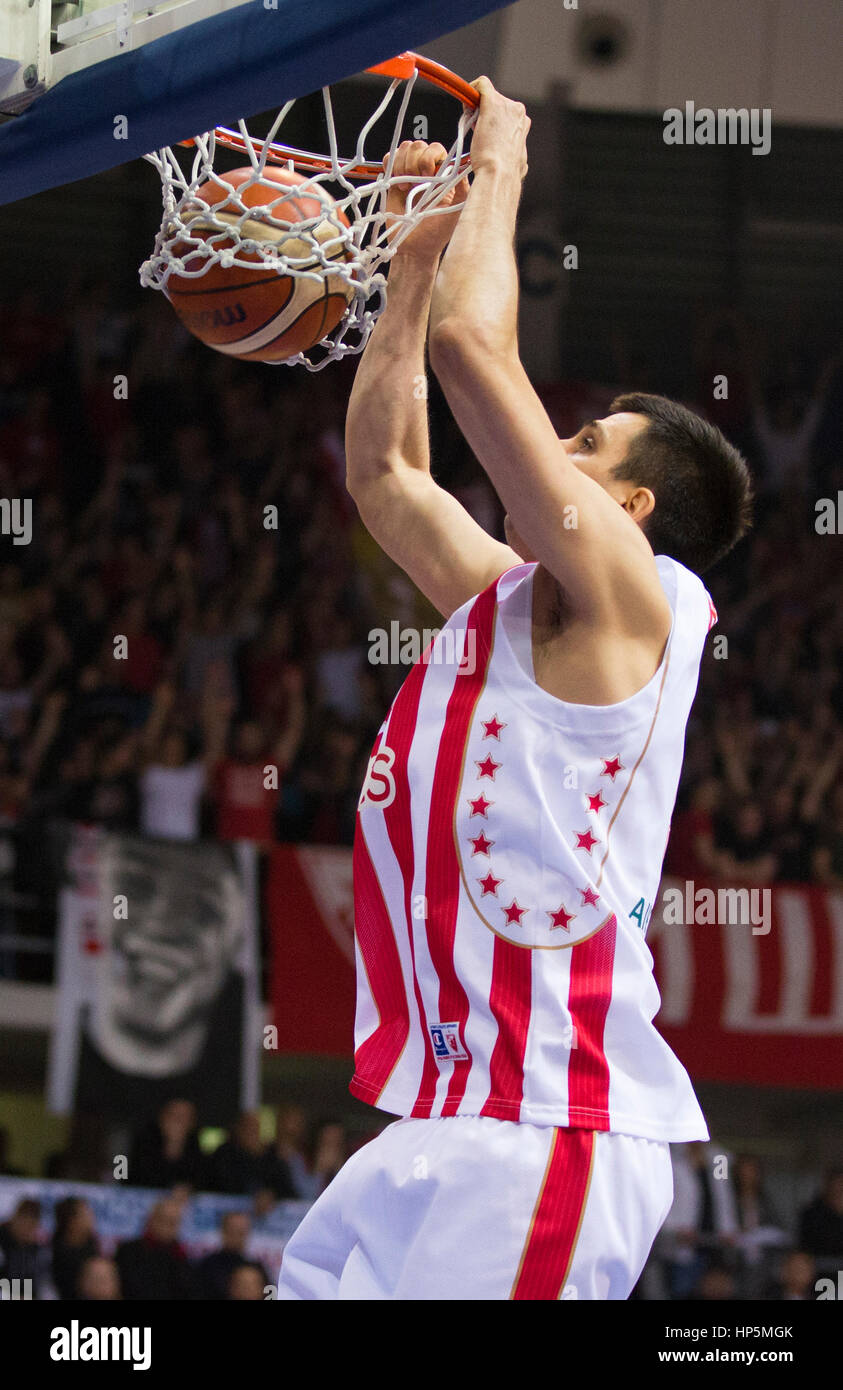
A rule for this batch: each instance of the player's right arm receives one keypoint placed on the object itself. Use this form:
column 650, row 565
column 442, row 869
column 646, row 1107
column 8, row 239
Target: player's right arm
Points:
column 423, row 528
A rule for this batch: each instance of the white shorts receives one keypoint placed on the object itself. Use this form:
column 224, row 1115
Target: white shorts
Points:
column 470, row 1207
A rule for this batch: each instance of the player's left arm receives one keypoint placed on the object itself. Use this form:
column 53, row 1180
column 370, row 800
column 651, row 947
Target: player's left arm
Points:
column 581, row 534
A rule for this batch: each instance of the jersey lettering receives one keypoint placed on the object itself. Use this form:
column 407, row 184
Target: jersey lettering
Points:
column 379, row 784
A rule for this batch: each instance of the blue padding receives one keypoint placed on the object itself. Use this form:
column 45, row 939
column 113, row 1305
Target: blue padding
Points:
column 230, row 66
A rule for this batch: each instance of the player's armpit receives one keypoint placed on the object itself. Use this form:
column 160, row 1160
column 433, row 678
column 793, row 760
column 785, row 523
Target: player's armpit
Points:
column 431, row 536
column 571, row 524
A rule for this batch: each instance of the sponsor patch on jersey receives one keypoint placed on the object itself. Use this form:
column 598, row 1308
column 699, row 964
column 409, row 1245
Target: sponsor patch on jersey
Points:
column 446, row 1042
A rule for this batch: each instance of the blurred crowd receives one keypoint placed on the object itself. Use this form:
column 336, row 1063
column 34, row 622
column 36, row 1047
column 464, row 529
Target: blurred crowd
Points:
column 184, row 651
column 725, row 1238
column 74, row 1261
column 761, row 798
column 184, row 640
column 189, row 611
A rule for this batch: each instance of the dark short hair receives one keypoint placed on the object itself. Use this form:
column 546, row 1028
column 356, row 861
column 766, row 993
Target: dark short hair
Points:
column 29, row 1206
column 700, row 481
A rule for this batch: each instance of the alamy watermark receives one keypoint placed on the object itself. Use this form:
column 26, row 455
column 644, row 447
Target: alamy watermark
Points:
column 15, row 1289
column 16, row 519
column 79, row 1342
column 728, row 125
column 746, row 907
column 404, row 646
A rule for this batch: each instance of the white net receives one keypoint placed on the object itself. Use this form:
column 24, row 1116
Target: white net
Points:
column 208, row 221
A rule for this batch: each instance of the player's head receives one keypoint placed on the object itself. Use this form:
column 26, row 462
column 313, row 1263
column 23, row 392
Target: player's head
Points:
column 98, row 1280
column 175, row 749
column 248, row 740
column 235, row 1230
column 675, row 474
column 164, row 1221
column 686, row 485
column 246, row 1284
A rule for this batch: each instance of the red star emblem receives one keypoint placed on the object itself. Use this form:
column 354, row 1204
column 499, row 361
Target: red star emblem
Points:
column 596, row 803
column 489, row 884
column 91, row 946
column 611, row 767
column 479, row 805
column 589, row 897
column 514, row 913
column 481, row 844
column 712, row 615
column 493, row 727
column 488, row 767
column 561, row 918
column 586, row 841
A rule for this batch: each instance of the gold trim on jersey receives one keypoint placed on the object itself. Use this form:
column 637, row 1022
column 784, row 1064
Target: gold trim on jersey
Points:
column 638, row 763
column 521, row 945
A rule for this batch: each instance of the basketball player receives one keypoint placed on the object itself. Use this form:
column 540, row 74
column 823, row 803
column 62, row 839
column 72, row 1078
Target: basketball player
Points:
column 516, row 809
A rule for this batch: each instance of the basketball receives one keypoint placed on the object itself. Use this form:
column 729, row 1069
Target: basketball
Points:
column 263, row 315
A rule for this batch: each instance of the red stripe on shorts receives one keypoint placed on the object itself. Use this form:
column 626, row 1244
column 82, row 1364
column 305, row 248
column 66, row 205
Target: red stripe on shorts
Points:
column 510, row 1000
column 551, row 1240
column 442, row 869
column 376, row 1058
column 589, row 996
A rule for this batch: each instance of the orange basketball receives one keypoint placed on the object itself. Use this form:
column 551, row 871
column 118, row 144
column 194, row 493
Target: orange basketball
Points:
column 263, row 315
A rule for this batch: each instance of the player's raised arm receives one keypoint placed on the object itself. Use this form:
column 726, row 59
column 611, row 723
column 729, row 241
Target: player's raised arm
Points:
column 588, row 539
column 420, row 525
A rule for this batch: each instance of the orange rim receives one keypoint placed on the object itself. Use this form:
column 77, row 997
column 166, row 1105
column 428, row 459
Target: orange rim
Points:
column 401, row 68
column 407, row 63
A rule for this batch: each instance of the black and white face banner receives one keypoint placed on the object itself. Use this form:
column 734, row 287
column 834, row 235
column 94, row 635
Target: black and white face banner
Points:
column 172, row 925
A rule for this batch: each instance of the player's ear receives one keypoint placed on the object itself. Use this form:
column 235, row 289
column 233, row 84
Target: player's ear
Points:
column 640, row 504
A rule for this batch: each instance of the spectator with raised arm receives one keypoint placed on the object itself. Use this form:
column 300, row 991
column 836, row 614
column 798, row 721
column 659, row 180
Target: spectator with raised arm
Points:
column 247, row 783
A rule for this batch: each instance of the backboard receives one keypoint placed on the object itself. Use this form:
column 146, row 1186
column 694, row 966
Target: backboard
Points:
column 42, row 41
column 89, row 85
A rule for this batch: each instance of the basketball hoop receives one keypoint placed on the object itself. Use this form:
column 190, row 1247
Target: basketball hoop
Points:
column 219, row 229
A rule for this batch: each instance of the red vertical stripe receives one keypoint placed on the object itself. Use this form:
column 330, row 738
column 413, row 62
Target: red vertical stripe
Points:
column 510, row 1001
column 589, row 996
column 822, row 993
column 399, row 736
column 376, row 1058
column 551, row 1241
column 306, row 964
column 769, row 963
column 709, row 966
column 442, row 880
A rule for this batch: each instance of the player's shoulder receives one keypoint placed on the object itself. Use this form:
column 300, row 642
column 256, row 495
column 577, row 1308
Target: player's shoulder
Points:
column 686, row 593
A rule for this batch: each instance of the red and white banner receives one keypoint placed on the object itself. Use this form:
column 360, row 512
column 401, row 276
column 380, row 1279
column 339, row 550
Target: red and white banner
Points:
column 310, row 912
column 752, row 988
column 748, row 1001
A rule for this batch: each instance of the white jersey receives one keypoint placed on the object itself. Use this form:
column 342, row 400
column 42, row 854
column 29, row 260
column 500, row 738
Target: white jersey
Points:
column 507, row 855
